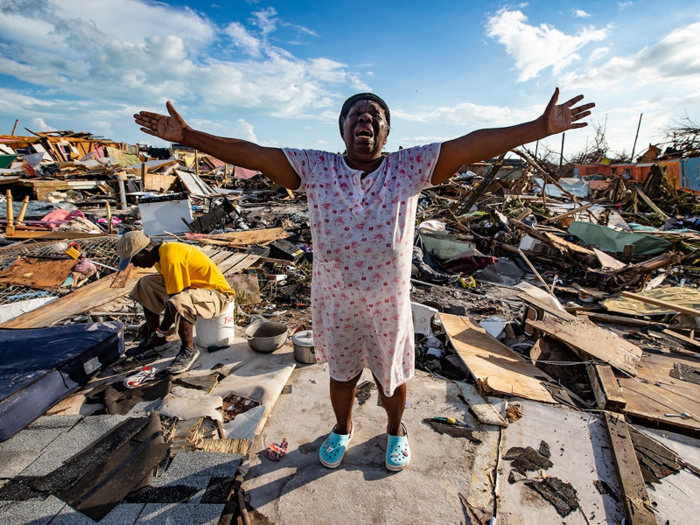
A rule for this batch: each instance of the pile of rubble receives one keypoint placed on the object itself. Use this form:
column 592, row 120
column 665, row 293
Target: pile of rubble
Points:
column 527, row 285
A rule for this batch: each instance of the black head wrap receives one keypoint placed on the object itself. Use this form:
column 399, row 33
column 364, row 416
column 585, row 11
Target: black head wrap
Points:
column 363, row 96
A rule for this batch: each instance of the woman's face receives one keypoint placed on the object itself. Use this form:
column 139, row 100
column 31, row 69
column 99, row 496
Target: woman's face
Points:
column 365, row 129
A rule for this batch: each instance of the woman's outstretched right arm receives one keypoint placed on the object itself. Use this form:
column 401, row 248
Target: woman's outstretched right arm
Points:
column 173, row 128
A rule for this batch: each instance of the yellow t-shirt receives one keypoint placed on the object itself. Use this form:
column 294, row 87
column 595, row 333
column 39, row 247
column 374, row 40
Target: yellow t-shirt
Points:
column 184, row 266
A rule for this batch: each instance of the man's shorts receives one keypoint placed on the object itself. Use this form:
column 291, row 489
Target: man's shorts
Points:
column 190, row 303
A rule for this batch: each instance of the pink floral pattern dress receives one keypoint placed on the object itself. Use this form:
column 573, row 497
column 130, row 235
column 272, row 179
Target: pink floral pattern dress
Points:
column 362, row 231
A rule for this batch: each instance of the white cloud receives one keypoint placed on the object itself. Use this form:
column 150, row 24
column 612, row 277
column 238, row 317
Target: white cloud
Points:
column 38, row 124
column 624, row 5
column 598, row 53
column 245, row 131
column 580, row 13
column 535, row 48
column 243, row 39
column 469, row 115
column 673, row 58
column 75, row 51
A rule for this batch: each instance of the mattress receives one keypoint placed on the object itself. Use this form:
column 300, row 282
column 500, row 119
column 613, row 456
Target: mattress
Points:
column 39, row 367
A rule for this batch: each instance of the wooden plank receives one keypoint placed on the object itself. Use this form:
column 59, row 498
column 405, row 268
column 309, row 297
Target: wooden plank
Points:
column 122, row 277
column 664, row 304
column 484, row 411
column 51, row 235
column 592, row 340
column 605, row 387
column 653, row 206
column 657, row 398
column 39, row 273
column 231, row 261
column 218, row 256
column 246, row 288
column 634, row 491
column 249, row 237
column 243, row 264
column 682, row 338
column 608, row 261
column 158, row 182
column 570, row 212
column 616, row 319
column 90, row 296
column 495, row 366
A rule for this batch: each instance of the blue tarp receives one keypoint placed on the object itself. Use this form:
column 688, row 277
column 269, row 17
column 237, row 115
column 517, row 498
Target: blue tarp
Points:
column 39, row 367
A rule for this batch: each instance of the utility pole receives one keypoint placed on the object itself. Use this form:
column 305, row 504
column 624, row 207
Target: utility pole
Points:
column 561, row 153
column 634, row 147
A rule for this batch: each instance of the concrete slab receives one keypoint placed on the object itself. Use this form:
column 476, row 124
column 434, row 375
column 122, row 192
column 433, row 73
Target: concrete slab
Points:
column 122, row 514
column 34, row 512
column 298, row 489
column 177, row 514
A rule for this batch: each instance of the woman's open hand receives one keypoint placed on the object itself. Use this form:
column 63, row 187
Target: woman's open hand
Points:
column 170, row 128
column 560, row 117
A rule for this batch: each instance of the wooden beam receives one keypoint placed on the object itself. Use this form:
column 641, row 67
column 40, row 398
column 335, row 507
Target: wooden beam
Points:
column 656, row 302
column 484, row 411
column 607, row 391
column 89, row 296
column 634, row 491
column 590, row 339
column 617, row 319
column 51, row 235
column 122, row 277
column 653, row 206
column 564, row 215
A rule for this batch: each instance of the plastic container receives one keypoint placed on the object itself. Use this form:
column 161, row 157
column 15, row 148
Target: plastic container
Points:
column 217, row 332
column 266, row 336
column 304, row 347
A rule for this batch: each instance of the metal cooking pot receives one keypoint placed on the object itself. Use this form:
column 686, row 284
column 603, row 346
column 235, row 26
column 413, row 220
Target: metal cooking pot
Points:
column 266, row 336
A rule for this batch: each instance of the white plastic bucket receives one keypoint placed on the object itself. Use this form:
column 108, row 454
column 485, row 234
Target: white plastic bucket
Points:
column 217, row 332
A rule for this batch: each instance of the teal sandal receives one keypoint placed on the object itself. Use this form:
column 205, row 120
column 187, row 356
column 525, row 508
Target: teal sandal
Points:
column 398, row 453
column 334, row 447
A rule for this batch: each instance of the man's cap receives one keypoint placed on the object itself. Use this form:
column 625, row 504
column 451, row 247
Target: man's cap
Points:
column 363, row 96
column 129, row 245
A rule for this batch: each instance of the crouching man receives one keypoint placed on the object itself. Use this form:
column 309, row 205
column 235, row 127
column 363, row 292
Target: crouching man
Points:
column 188, row 286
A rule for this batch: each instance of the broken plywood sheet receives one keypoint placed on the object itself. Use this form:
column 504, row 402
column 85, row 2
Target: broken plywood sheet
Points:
column 493, row 364
column 675, row 497
column 158, row 182
column 592, row 340
column 194, row 184
column 90, row 296
column 246, row 287
column 38, row 273
column 580, row 456
column 249, row 237
column 654, row 392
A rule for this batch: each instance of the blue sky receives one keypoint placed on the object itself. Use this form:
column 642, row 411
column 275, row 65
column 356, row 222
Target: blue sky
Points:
column 278, row 72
